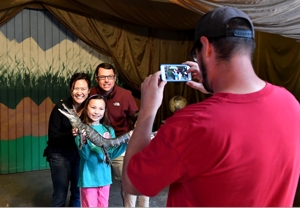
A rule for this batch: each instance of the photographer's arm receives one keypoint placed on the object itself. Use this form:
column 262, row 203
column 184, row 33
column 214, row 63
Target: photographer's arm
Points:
column 151, row 98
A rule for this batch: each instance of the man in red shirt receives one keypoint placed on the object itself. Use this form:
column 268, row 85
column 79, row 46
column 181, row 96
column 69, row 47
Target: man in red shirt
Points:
column 240, row 147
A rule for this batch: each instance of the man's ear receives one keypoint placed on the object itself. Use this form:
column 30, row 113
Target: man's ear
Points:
column 206, row 46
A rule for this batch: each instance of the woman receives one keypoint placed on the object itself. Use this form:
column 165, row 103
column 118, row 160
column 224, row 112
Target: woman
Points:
column 62, row 154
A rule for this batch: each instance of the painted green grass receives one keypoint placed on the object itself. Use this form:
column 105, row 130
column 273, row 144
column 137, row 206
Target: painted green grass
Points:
column 20, row 81
column 23, row 154
column 38, row 82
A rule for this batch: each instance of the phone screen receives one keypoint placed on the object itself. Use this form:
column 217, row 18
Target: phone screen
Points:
column 175, row 72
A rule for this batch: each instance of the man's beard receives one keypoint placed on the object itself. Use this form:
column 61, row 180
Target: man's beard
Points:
column 203, row 70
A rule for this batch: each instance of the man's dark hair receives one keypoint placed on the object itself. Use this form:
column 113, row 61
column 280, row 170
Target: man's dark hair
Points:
column 104, row 66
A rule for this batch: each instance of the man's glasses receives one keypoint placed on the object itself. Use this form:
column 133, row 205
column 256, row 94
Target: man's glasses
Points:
column 109, row 77
column 193, row 55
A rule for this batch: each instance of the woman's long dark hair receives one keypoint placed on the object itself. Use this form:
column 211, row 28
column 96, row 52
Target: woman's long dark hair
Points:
column 77, row 76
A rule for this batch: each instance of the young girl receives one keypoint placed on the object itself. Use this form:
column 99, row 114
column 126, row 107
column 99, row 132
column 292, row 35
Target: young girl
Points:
column 95, row 175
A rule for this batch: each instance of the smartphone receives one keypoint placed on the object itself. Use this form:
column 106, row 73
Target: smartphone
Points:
column 175, row 72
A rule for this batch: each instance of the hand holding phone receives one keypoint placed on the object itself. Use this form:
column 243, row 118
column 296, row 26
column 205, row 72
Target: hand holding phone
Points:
column 175, row 72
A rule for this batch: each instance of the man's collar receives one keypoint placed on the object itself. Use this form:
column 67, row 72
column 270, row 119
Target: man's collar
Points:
column 106, row 95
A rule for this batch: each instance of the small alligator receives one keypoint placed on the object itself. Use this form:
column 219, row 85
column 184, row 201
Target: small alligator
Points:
column 93, row 135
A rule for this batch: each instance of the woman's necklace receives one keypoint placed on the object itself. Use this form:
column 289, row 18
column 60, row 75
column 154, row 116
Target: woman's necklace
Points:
column 78, row 112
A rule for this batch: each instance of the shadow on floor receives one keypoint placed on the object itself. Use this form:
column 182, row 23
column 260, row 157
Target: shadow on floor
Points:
column 34, row 189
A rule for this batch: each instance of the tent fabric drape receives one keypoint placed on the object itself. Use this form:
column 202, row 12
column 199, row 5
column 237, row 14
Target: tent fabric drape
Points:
column 277, row 16
column 7, row 14
column 277, row 60
column 137, row 51
column 140, row 35
column 145, row 13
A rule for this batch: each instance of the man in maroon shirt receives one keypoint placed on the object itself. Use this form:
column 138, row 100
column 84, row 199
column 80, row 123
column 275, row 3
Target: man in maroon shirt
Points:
column 120, row 104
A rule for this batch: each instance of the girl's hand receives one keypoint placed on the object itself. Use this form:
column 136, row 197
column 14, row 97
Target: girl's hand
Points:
column 153, row 134
column 130, row 133
column 74, row 131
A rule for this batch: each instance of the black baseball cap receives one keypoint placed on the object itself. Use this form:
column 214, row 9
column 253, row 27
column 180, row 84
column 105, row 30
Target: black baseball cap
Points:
column 214, row 24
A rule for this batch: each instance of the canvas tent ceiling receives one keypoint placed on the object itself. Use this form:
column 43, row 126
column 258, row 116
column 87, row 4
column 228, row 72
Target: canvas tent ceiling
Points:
column 161, row 31
column 276, row 16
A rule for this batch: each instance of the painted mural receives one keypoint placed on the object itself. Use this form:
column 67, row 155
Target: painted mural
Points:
column 38, row 55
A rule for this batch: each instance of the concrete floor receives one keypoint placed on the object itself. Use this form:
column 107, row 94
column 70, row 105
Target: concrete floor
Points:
column 34, row 189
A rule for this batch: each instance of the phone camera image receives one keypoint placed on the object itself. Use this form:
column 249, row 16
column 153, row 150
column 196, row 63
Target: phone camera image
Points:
column 175, row 72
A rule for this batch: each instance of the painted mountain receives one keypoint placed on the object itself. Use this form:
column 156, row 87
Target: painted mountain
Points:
column 38, row 55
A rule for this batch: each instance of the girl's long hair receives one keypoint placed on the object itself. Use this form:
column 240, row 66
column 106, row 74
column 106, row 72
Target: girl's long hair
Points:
column 104, row 120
